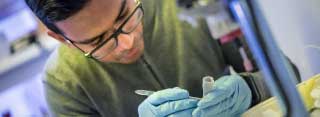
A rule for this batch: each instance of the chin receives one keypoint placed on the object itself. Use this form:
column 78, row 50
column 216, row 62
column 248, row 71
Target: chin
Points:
column 129, row 61
column 134, row 59
column 123, row 60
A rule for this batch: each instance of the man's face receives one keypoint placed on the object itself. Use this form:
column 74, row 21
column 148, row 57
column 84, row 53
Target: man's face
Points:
column 100, row 16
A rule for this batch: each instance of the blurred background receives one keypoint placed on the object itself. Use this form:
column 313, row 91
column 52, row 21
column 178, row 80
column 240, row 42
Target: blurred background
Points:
column 25, row 46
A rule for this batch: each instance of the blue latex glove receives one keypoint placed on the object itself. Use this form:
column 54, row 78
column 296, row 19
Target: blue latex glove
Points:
column 173, row 102
column 230, row 96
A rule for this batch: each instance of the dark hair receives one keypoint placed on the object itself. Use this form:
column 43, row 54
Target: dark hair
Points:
column 51, row 11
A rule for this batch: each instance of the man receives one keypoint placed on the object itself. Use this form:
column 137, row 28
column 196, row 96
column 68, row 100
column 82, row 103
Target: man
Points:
column 110, row 48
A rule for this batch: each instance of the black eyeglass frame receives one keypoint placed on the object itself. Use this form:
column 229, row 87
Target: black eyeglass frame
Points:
column 115, row 35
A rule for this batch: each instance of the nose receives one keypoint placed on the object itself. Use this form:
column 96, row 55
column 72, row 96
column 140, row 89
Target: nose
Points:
column 125, row 42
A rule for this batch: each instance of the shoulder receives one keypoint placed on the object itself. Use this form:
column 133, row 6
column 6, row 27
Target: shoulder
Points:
column 63, row 82
column 66, row 65
column 153, row 8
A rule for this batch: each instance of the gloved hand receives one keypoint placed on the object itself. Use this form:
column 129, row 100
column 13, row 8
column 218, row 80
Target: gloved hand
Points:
column 172, row 102
column 230, row 96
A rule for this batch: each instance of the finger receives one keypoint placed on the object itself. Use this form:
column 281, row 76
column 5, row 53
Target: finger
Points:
column 165, row 95
column 213, row 111
column 145, row 109
column 176, row 106
column 225, row 105
column 230, row 105
column 226, row 82
column 197, row 112
column 214, row 97
column 208, row 113
column 223, row 89
column 184, row 113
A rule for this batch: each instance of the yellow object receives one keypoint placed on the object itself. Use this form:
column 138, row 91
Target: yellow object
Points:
column 270, row 107
column 305, row 89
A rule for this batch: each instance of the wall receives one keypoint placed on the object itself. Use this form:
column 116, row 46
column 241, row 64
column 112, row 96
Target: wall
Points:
column 295, row 24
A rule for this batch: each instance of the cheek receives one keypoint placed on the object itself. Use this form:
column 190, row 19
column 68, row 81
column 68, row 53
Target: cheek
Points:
column 109, row 58
column 140, row 28
column 139, row 32
column 139, row 35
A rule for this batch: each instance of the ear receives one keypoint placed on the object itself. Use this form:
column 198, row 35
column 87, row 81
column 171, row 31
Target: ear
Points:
column 59, row 38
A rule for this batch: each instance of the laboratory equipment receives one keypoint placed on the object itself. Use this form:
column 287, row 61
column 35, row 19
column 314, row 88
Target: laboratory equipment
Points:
column 144, row 92
column 17, row 26
column 17, row 34
column 207, row 84
column 270, row 60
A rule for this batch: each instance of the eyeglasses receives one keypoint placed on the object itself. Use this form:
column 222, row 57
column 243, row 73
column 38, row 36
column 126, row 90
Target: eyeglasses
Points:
column 107, row 44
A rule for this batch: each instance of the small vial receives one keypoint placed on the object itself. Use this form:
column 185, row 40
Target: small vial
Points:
column 232, row 71
column 207, row 84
